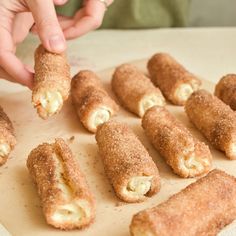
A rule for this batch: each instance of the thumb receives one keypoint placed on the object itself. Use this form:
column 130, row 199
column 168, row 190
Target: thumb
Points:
column 47, row 24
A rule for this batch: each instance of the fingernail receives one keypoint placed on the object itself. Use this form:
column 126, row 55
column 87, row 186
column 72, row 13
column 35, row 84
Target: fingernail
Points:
column 62, row 1
column 57, row 44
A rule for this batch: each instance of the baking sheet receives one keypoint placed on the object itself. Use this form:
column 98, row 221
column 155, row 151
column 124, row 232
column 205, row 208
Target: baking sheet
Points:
column 20, row 210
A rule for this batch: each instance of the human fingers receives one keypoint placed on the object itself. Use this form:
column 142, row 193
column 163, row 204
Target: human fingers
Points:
column 88, row 18
column 47, row 24
column 8, row 61
column 21, row 25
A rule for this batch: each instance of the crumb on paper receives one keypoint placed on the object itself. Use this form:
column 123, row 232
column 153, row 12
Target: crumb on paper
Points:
column 71, row 139
column 118, row 204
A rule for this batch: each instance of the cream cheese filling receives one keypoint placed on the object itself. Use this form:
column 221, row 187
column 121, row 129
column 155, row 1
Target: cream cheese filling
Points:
column 231, row 150
column 184, row 91
column 148, row 102
column 191, row 164
column 98, row 116
column 51, row 101
column 74, row 210
column 195, row 84
column 138, row 186
column 4, row 149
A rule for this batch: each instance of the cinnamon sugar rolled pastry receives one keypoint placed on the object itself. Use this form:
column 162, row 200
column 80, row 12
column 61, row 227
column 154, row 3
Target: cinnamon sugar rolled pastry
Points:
column 214, row 119
column 127, row 164
column 175, row 82
column 91, row 101
column 66, row 199
column 226, row 90
column 51, row 82
column 202, row 208
column 134, row 90
column 187, row 156
column 7, row 137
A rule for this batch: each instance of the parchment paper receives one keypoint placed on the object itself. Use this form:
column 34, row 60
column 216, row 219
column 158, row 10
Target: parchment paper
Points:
column 20, row 210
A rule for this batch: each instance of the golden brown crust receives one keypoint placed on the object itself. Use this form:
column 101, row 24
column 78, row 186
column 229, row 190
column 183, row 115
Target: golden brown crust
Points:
column 43, row 169
column 203, row 208
column 52, row 73
column 131, row 86
column 168, row 75
column 6, row 134
column 215, row 120
column 124, row 157
column 226, row 90
column 174, row 142
column 88, row 94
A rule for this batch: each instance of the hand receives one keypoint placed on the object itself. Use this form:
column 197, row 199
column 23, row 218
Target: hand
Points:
column 87, row 18
column 16, row 19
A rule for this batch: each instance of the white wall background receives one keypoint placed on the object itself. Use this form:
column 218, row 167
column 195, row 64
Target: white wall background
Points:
column 213, row 13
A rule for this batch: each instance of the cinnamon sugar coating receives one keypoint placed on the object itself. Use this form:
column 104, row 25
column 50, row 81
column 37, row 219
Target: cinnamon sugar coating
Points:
column 187, row 156
column 61, row 186
column 89, row 96
column 214, row 119
column 7, row 137
column 134, row 90
column 52, row 75
column 202, row 208
column 125, row 158
column 226, row 90
column 168, row 75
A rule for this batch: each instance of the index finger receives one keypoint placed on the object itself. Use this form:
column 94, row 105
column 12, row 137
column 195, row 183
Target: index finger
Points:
column 47, row 24
column 87, row 19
